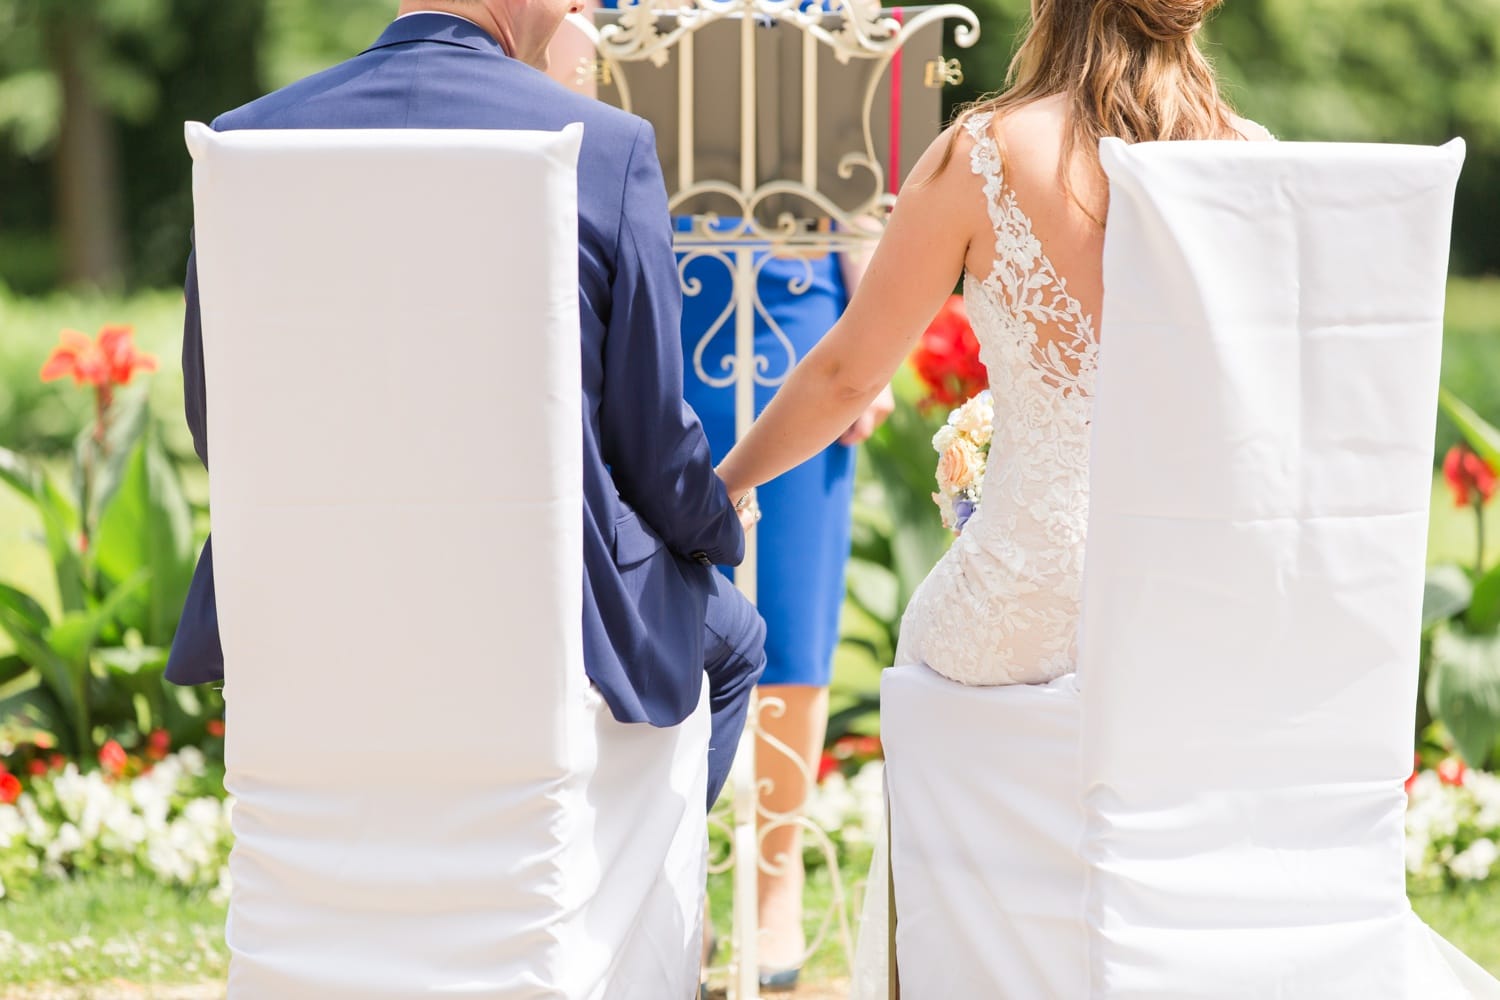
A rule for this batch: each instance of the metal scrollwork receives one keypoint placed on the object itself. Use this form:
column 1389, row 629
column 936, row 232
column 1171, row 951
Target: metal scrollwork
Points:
column 753, row 226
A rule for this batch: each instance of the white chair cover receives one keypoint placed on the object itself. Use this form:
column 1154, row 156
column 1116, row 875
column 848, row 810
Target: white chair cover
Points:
column 430, row 797
column 1260, row 479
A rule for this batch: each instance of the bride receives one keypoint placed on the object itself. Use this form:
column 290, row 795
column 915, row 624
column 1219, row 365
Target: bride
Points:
column 1012, row 197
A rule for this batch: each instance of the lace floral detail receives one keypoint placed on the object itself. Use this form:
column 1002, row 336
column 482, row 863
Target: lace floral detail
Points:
column 1002, row 606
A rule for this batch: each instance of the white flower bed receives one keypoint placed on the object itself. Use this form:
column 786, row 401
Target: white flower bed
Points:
column 164, row 822
column 850, row 810
column 1453, row 828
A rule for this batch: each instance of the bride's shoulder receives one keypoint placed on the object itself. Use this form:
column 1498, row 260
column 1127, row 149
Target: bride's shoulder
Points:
column 1251, row 130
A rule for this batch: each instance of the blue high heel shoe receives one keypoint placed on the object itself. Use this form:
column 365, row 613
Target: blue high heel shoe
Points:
column 780, row 981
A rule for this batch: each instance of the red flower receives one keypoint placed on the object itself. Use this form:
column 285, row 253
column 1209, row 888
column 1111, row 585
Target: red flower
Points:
column 947, row 358
column 112, row 758
column 1451, row 771
column 157, row 744
column 827, row 764
column 36, row 768
column 108, row 360
column 57, row 762
column 1416, row 769
column 215, row 727
column 10, row 788
column 1466, row 472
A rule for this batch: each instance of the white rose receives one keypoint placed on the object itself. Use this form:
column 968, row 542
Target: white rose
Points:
column 976, row 420
column 1474, row 864
column 945, row 436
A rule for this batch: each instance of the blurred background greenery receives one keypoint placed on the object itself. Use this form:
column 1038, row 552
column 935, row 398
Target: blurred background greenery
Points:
column 94, row 180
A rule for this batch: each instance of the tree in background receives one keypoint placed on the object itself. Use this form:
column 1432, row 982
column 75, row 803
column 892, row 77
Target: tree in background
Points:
column 94, row 181
column 1342, row 70
column 85, row 87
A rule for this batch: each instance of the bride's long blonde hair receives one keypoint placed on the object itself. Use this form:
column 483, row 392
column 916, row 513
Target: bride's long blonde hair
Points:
column 1128, row 68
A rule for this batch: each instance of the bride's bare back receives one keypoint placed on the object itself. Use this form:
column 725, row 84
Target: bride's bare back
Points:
column 1065, row 220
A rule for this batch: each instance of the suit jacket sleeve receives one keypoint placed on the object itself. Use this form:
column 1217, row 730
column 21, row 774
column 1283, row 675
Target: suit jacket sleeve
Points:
column 650, row 438
column 194, row 390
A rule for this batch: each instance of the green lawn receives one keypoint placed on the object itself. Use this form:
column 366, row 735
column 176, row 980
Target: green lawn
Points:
column 1468, row 917
column 105, row 932
column 100, row 930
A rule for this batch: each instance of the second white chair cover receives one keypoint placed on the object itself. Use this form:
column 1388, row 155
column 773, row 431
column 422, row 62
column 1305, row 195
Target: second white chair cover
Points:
column 1259, row 488
column 431, row 799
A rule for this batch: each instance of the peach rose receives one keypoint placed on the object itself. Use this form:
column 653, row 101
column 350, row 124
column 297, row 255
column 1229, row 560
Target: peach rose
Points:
column 959, row 466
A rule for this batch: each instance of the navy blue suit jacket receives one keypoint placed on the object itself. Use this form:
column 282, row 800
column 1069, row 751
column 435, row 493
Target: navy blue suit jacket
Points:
column 655, row 514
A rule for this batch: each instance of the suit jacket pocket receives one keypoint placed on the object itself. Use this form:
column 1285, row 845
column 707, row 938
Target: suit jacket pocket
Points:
column 635, row 542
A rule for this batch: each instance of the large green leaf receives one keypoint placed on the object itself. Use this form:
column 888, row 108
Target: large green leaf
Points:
column 59, row 520
column 1463, row 690
column 29, row 628
column 101, row 465
column 33, row 716
column 1447, row 593
column 1484, row 609
column 148, row 525
column 136, row 674
column 75, row 633
column 12, row 669
column 1482, row 436
column 874, row 590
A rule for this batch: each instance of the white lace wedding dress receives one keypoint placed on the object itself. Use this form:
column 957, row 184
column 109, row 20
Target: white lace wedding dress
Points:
column 1001, row 607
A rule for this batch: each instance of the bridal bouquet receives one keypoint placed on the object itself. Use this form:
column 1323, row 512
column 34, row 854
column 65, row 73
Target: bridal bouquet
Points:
column 963, row 447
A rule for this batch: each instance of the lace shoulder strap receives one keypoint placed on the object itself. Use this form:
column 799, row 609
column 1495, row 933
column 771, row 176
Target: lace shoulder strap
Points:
column 1025, row 278
column 984, row 160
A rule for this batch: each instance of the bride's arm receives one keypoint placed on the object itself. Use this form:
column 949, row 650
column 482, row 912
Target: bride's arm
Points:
column 918, row 261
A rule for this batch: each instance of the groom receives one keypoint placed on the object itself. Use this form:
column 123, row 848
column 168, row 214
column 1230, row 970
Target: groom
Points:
column 656, row 617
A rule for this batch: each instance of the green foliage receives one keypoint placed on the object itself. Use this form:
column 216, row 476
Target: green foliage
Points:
column 1469, row 917
column 1414, row 71
column 106, row 929
column 1461, row 622
column 95, row 669
column 39, row 418
column 897, row 538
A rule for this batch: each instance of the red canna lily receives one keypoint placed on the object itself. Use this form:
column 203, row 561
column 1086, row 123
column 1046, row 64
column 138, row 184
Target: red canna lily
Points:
column 10, row 788
column 108, row 360
column 157, row 744
column 215, row 727
column 112, row 758
column 1468, row 475
column 1452, row 771
column 947, row 357
column 827, row 764
column 36, row 768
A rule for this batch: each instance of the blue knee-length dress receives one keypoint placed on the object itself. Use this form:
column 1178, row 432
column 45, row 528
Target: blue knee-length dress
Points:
column 803, row 539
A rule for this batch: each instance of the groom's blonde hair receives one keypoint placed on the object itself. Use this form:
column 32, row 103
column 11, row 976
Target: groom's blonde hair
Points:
column 1130, row 69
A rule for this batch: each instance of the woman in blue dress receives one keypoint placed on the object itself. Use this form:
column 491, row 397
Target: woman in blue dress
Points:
column 803, row 539
column 802, row 549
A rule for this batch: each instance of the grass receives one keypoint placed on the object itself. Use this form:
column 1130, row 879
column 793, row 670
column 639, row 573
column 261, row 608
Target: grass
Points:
column 1469, row 917
column 828, row 962
column 100, row 930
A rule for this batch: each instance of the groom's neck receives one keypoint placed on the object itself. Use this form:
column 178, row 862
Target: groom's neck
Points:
column 479, row 12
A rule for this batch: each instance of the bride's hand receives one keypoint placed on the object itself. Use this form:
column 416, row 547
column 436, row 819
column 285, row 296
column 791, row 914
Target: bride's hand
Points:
column 868, row 421
column 747, row 509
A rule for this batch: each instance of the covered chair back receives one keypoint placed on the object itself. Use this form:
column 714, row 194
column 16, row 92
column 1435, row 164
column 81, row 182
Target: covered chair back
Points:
column 1260, row 481
column 428, row 791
